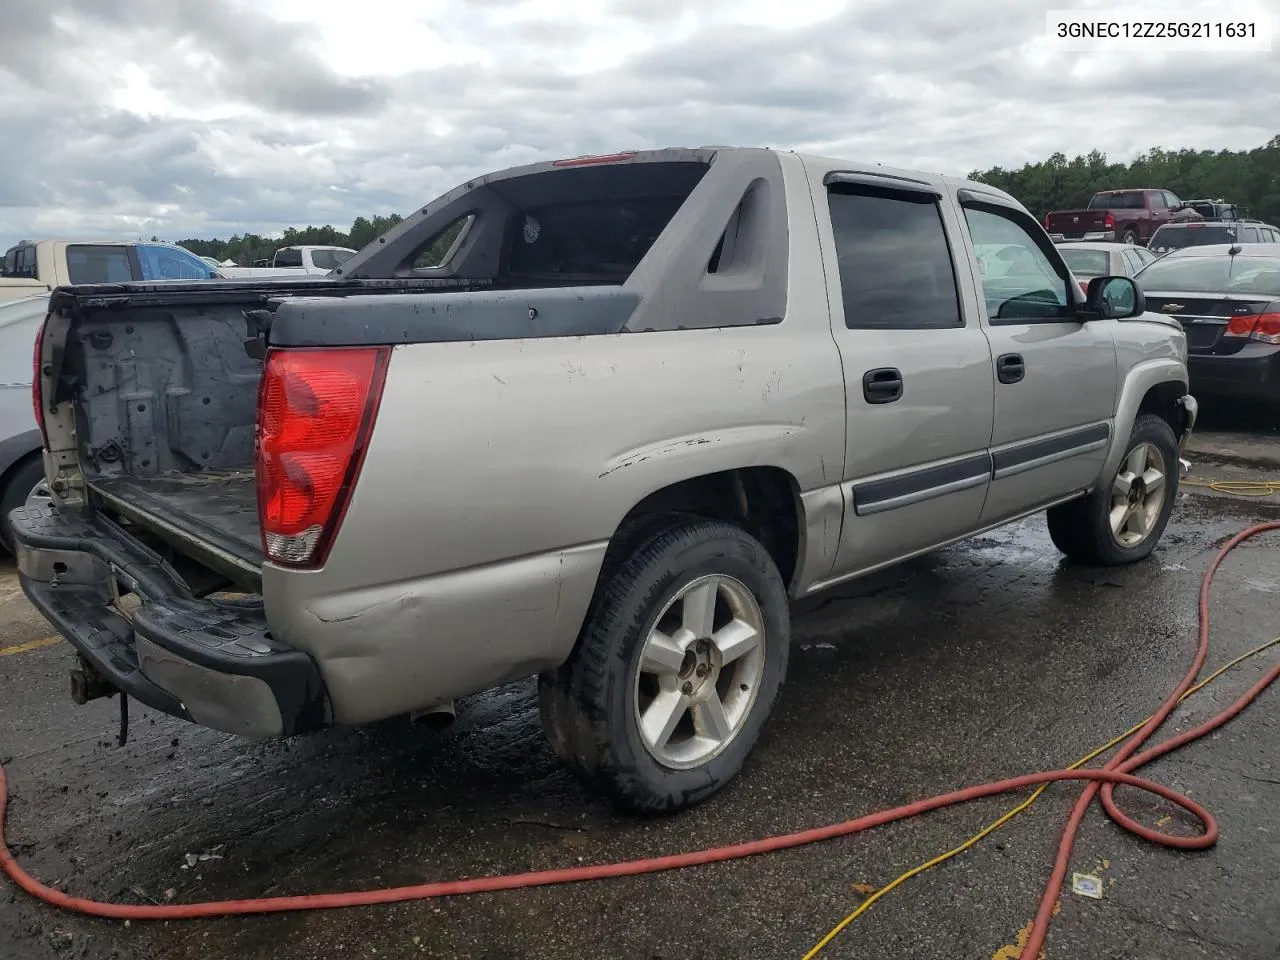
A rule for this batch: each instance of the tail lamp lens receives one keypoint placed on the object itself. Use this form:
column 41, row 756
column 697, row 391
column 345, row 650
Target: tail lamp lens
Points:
column 315, row 411
column 1264, row 327
column 37, row 403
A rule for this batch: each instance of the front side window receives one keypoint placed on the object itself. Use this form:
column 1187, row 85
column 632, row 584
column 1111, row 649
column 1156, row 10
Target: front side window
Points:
column 99, row 263
column 896, row 271
column 158, row 262
column 1019, row 281
column 1158, row 200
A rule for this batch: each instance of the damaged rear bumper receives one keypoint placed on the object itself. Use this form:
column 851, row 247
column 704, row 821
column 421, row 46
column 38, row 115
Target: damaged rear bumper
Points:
column 210, row 661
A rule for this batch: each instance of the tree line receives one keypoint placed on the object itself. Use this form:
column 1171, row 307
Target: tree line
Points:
column 1248, row 178
column 247, row 248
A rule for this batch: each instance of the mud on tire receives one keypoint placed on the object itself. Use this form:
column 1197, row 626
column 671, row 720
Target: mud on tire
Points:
column 592, row 705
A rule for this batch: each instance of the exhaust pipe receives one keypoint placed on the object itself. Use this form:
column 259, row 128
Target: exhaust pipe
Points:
column 437, row 716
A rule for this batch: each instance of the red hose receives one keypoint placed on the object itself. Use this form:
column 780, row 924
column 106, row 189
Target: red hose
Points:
column 1117, row 771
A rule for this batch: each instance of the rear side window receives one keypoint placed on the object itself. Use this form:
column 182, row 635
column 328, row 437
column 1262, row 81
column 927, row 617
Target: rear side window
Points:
column 288, row 258
column 91, row 263
column 1250, row 235
column 1125, row 200
column 896, row 271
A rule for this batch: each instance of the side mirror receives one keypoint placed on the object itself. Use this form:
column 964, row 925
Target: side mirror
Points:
column 1114, row 298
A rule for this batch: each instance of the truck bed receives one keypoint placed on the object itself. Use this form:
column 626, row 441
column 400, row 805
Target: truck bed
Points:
column 214, row 513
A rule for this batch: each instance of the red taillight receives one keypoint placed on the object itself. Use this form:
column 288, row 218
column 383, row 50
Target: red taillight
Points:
column 1109, row 222
column 1264, row 327
column 601, row 158
column 37, row 403
column 315, row 411
column 1046, row 221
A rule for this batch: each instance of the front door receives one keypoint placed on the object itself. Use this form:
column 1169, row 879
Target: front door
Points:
column 917, row 368
column 1055, row 377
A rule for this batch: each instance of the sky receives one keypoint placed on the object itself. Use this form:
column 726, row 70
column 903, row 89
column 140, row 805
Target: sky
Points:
column 204, row 118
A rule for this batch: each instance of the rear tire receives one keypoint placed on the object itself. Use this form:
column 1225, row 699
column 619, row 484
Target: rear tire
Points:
column 17, row 491
column 1123, row 520
column 677, row 667
column 1130, row 237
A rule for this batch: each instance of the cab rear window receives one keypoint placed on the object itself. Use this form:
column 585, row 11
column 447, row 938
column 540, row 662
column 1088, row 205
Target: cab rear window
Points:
column 91, row 263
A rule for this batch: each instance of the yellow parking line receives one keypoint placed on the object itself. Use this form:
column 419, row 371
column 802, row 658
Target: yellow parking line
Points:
column 26, row 647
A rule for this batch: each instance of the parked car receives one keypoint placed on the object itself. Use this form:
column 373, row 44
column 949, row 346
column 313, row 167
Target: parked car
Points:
column 638, row 404
column 1227, row 298
column 1176, row 236
column 32, row 267
column 21, row 466
column 291, row 261
column 1130, row 216
column 1088, row 260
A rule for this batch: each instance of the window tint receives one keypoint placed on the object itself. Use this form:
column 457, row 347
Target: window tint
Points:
column 1158, row 200
column 19, row 261
column 287, row 258
column 1019, row 281
column 895, row 265
column 1250, row 235
column 1086, row 263
column 87, row 263
column 1171, row 199
column 1125, row 200
column 170, row 263
column 330, row 259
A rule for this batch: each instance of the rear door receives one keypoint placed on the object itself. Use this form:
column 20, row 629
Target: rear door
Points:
column 1055, row 388
column 917, row 368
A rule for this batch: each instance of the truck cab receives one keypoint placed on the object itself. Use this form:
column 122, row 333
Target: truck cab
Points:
column 32, row 267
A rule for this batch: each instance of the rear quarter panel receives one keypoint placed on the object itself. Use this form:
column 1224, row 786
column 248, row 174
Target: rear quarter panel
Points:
column 498, row 470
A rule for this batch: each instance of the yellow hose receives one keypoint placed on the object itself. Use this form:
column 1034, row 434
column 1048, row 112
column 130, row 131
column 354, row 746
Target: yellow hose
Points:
column 1237, row 488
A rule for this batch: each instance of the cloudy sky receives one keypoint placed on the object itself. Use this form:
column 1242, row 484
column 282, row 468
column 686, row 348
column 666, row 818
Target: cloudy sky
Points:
column 181, row 118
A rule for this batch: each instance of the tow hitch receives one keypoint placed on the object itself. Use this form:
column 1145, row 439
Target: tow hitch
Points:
column 88, row 684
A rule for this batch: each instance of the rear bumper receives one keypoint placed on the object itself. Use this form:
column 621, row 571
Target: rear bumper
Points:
column 1251, row 374
column 1067, row 237
column 210, row 661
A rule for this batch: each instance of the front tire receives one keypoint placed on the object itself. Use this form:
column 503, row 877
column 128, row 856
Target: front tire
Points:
column 677, row 668
column 1123, row 520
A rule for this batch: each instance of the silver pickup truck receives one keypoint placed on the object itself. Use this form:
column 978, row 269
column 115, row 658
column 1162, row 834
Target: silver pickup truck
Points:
column 597, row 420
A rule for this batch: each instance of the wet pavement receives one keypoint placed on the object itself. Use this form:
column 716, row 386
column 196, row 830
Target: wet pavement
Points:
column 985, row 660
